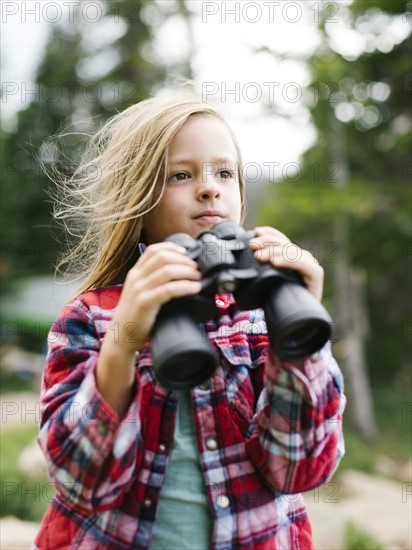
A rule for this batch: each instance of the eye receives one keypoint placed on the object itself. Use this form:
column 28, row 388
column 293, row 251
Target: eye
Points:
column 226, row 174
column 179, row 176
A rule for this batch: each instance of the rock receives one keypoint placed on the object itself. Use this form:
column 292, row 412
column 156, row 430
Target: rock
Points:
column 405, row 472
column 32, row 463
column 18, row 360
column 19, row 409
column 17, row 534
column 386, row 466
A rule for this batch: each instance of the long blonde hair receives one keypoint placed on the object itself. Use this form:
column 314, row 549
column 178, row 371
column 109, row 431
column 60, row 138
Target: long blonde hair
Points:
column 111, row 191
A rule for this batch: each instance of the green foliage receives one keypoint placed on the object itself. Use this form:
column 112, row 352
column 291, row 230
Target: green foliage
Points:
column 394, row 439
column 388, row 6
column 358, row 176
column 21, row 497
column 10, row 382
column 80, row 82
column 358, row 539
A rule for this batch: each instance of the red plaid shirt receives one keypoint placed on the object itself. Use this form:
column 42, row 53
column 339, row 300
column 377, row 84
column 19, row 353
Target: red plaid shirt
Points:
column 265, row 430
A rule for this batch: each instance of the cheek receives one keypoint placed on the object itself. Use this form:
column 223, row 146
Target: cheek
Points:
column 235, row 201
column 172, row 203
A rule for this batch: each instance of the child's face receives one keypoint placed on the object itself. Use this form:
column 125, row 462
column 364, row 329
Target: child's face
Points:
column 202, row 186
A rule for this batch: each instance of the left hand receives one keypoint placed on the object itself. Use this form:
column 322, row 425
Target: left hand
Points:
column 270, row 245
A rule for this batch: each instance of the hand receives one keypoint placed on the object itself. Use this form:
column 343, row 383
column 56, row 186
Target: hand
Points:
column 270, row 245
column 164, row 271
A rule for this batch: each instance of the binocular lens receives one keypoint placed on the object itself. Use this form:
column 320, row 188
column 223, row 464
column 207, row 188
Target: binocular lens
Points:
column 183, row 356
column 298, row 324
column 303, row 338
column 186, row 369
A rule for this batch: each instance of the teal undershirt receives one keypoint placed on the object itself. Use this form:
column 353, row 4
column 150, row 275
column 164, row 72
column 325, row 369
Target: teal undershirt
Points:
column 184, row 519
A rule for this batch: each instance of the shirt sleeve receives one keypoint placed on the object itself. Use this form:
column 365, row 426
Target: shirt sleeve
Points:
column 296, row 440
column 91, row 455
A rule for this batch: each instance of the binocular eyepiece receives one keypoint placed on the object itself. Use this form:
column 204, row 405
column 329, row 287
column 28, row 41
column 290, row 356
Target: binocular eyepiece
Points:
column 298, row 325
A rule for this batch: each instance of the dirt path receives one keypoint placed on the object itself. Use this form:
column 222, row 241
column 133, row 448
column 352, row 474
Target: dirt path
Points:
column 16, row 534
column 376, row 505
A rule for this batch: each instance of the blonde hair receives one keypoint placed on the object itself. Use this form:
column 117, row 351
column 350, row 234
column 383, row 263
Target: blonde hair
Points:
column 111, row 191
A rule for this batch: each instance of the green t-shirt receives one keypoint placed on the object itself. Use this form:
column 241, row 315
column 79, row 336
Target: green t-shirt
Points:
column 184, row 518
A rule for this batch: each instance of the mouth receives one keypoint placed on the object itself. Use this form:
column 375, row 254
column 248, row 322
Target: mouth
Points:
column 210, row 216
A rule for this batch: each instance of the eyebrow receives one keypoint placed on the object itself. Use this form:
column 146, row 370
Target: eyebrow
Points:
column 189, row 161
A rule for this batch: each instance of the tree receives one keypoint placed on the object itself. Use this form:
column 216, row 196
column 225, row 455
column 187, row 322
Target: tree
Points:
column 94, row 65
column 352, row 192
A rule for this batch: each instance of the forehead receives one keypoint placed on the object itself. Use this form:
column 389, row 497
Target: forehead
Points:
column 204, row 135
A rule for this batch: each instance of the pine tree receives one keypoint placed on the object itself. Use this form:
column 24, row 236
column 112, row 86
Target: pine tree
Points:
column 351, row 203
column 95, row 65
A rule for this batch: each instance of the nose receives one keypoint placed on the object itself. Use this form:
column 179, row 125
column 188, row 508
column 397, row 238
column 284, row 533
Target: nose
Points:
column 208, row 188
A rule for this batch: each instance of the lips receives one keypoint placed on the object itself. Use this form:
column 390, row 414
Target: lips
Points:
column 210, row 216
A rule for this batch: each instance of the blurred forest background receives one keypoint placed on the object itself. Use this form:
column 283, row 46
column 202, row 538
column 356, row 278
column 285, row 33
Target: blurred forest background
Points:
column 348, row 199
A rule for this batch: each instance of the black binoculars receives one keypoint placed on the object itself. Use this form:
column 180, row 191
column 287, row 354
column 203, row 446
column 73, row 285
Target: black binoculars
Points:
column 297, row 324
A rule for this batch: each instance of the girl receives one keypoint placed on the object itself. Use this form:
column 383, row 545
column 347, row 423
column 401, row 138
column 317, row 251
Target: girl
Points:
column 136, row 465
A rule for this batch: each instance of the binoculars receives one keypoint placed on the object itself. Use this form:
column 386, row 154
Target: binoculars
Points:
column 297, row 324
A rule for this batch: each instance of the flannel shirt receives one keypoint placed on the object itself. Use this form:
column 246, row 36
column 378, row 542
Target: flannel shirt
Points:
column 266, row 431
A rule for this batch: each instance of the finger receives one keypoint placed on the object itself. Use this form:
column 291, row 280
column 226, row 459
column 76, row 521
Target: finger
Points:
column 268, row 240
column 158, row 249
column 292, row 257
column 171, row 272
column 272, row 250
column 164, row 245
column 166, row 292
column 270, row 232
column 156, row 258
column 137, row 284
column 264, row 242
column 301, row 261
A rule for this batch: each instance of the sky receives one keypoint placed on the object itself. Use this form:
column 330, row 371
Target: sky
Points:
column 250, row 57
column 226, row 70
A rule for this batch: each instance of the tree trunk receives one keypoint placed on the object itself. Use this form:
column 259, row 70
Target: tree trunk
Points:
column 351, row 311
column 352, row 325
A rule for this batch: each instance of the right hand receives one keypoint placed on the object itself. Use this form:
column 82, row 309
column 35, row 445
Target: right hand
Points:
column 163, row 272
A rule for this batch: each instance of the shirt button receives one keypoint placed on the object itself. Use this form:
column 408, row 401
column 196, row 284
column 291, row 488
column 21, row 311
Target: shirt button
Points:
column 162, row 447
column 314, row 357
column 220, row 303
column 211, row 443
column 147, row 502
column 223, row 501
